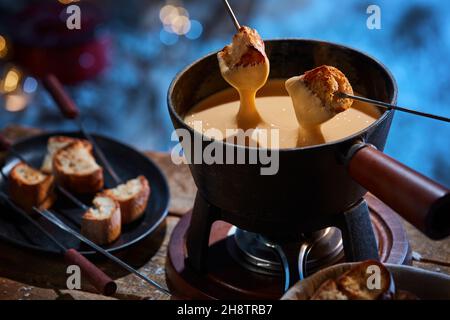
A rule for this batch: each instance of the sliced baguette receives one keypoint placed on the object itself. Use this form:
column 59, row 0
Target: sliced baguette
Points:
column 355, row 282
column 53, row 145
column 132, row 197
column 102, row 223
column 329, row 291
column 75, row 168
column 325, row 82
column 30, row 188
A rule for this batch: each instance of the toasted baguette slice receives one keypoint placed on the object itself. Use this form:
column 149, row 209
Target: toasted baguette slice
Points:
column 75, row 168
column 132, row 197
column 247, row 49
column 329, row 291
column 53, row 145
column 356, row 284
column 102, row 223
column 30, row 188
column 325, row 82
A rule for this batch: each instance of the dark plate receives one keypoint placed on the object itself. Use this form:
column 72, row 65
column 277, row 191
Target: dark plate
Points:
column 127, row 162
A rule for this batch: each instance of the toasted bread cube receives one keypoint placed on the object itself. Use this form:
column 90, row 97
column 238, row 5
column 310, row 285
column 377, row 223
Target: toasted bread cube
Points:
column 354, row 283
column 102, row 223
column 75, row 168
column 325, row 82
column 132, row 197
column 54, row 144
column 29, row 187
column 329, row 291
column 247, row 49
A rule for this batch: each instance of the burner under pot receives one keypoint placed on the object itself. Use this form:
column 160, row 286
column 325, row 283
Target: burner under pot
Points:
column 258, row 254
column 210, row 258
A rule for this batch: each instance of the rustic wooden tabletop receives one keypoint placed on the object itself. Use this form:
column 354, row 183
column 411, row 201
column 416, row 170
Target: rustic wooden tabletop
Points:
column 28, row 275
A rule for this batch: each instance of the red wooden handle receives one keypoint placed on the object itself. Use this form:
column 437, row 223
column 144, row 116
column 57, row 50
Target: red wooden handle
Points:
column 62, row 99
column 418, row 199
column 5, row 144
column 96, row 277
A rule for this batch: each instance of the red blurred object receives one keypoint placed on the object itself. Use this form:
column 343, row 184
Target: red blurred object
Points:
column 43, row 44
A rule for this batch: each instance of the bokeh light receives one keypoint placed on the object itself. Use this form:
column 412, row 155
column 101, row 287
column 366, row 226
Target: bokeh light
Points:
column 175, row 19
column 168, row 38
column 15, row 102
column 196, row 30
column 3, row 47
column 30, row 85
column 11, row 80
column 86, row 60
column 181, row 25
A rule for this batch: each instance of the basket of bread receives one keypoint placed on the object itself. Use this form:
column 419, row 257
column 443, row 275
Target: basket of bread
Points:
column 371, row 280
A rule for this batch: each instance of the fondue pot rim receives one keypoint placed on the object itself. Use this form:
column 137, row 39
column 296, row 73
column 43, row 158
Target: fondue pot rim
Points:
column 385, row 115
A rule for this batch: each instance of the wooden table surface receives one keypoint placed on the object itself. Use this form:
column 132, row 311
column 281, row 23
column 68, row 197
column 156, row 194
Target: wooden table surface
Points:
column 28, row 275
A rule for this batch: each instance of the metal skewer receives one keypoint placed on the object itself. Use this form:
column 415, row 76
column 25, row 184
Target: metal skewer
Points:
column 70, row 111
column 96, row 276
column 99, row 278
column 16, row 208
column 53, row 219
column 393, row 107
column 232, row 15
column 419, row 258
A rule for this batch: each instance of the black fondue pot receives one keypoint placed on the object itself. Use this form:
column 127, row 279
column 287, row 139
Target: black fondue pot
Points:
column 316, row 183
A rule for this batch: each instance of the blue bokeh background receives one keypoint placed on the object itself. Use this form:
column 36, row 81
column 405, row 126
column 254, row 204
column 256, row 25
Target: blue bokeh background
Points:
column 127, row 101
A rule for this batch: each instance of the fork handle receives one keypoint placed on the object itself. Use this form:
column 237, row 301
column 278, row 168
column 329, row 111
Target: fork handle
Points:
column 102, row 282
column 62, row 99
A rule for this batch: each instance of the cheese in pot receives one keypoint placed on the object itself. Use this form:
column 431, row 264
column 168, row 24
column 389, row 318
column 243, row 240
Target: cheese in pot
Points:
column 274, row 106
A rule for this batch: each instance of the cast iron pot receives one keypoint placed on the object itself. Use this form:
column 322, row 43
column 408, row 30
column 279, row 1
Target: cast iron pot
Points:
column 313, row 184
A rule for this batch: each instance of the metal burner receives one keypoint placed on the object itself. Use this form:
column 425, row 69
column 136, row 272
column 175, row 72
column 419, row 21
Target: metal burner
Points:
column 252, row 251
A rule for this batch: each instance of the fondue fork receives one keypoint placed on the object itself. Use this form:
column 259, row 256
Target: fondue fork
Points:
column 98, row 278
column 232, row 15
column 69, row 110
column 102, row 282
column 389, row 106
column 49, row 216
column 348, row 96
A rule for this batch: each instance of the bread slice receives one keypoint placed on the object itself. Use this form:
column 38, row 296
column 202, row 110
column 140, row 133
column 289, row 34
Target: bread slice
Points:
column 329, row 291
column 325, row 82
column 132, row 197
column 29, row 187
column 356, row 285
column 102, row 223
column 247, row 49
column 355, row 282
column 54, row 144
column 75, row 168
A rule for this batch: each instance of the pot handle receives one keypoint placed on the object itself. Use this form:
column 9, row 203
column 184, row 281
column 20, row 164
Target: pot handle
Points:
column 418, row 199
column 62, row 99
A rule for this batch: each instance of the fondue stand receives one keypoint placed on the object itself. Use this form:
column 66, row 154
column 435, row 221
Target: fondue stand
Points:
column 209, row 258
column 251, row 236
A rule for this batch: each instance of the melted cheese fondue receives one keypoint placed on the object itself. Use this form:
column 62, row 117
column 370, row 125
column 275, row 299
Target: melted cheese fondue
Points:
column 247, row 81
column 276, row 110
